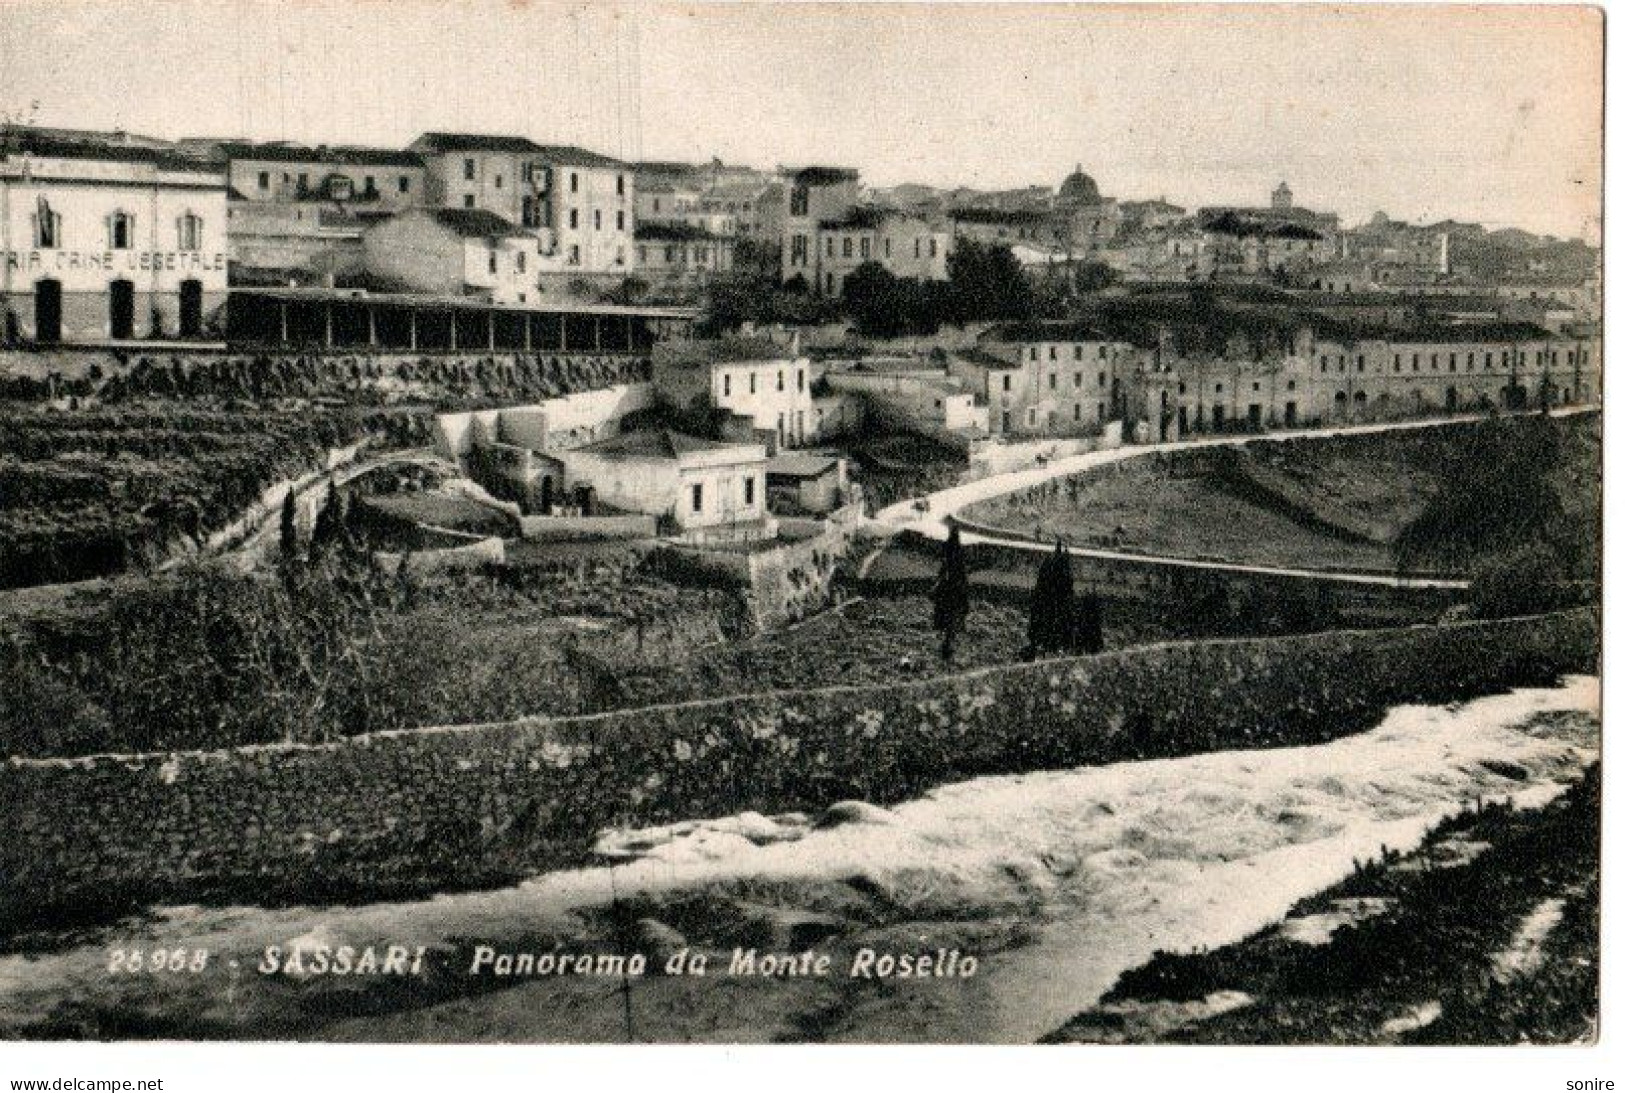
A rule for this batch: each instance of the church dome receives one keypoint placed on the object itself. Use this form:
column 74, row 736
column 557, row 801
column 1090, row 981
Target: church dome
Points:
column 1079, row 189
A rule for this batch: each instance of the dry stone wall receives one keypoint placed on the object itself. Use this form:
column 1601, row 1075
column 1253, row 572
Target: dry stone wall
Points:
column 412, row 811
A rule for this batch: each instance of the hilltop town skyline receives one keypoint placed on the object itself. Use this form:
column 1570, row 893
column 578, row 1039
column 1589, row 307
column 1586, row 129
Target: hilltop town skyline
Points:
column 1437, row 117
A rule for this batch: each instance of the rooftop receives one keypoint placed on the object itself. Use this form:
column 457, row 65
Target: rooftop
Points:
column 823, row 176
column 283, row 152
column 984, row 359
column 487, row 142
column 655, row 444
column 800, row 465
column 104, row 147
column 1061, row 330
column 725, row 351
column 477, row 224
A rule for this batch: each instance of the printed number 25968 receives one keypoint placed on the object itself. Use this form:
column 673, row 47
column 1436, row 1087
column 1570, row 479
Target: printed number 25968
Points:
column 157, row 960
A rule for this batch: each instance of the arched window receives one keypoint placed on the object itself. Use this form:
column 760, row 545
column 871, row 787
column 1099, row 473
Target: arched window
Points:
column 47, row 227
column 189, row 232
column 121, row 231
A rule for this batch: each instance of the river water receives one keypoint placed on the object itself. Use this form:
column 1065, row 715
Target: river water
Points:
column 1052, row 882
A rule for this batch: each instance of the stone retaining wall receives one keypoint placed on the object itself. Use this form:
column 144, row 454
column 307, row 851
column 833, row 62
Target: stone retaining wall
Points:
column 411, row 811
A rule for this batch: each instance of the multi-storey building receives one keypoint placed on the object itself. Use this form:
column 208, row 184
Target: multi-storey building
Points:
column 828, row 234
column 674, row 255
column 1048, row 378
column 580, row 205
column 1510, row 366
column 296, row 214
column 763, row 384
column 101, row 239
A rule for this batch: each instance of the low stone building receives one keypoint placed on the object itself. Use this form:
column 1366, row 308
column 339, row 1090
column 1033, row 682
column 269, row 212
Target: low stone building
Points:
column 468, row 252
column 806, row 484
column 696, row 484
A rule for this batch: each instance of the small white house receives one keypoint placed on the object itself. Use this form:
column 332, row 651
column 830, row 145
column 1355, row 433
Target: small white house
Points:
column 698, row 483
column 460, row 252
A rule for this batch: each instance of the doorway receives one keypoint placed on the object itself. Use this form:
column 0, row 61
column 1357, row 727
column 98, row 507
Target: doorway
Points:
column 191, row 309
column 48, row 311
column 121, row 310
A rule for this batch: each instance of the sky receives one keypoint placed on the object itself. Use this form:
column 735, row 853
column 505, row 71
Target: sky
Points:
column 1483, row 113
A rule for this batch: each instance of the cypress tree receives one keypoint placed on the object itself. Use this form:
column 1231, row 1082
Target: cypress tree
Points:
column 950, row 596
column 1050, row 621
column 1088, row 621
column 290, row 530
column 329, row 521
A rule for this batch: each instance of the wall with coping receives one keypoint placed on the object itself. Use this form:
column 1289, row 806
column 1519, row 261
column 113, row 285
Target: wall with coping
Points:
column 409, row 811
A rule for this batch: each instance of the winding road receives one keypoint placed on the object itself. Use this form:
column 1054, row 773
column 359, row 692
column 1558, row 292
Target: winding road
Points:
column 943, row 506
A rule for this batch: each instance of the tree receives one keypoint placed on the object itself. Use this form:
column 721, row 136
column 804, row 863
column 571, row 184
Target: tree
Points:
column 1050, row 618
column 950, row 596
column 290, row 530
column 986, row 282
column 329, row 521
column 1087, row 624
column 1094, row 276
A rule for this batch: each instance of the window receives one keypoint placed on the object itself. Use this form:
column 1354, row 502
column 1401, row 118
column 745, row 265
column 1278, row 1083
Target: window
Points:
column 189, row 232
column 575, row 219
column 801, row 379
column 1007, row 383
column 121, row 231
column 1077, row 380
column 829, row 246
column 497, row 182
column 620, row 220
column 620, row 189
column 468, row 170
column 753, row 383
column 1052, row 352
column 933, row 247
column 597, row 220
column 698, row 495
column 863, row 247
column 575, row 182
column 727, row 385
column 846, row 246
column 1102, row 382
column 468, row 201
column 519, row 261
column 369, row 186
column 781, row 379
column 47, row 227
column 405, row 185
column 491, row 261
column 1077, row 411
column 575, row 254
column 265, row 180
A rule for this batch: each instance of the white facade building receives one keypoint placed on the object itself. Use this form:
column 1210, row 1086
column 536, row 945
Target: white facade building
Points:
column 107, row 241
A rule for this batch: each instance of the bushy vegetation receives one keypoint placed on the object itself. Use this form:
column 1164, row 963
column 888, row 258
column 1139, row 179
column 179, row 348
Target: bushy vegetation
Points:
column 1510, row 487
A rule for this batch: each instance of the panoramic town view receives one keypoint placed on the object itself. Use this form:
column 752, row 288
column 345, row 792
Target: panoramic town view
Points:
column 644, row 552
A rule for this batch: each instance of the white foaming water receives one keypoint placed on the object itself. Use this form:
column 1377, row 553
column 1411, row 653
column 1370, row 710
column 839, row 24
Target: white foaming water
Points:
column 1104, row 865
